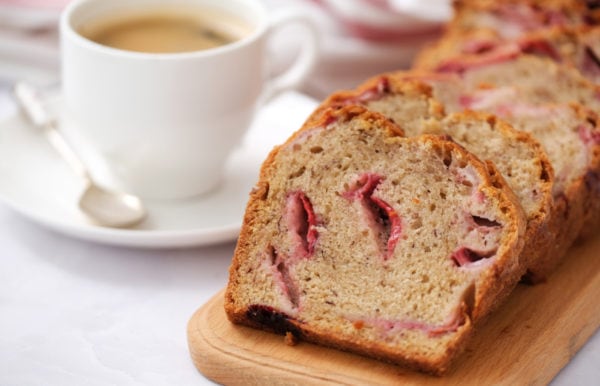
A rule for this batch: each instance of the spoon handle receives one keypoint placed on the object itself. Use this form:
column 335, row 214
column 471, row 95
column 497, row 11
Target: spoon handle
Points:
column 28, row 99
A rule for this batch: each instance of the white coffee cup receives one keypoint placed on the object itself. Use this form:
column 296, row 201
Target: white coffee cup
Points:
column 165, row 124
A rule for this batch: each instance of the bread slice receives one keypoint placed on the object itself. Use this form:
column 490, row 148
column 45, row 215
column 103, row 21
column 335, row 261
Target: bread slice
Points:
column 474, row 84
column 530, row 78
column 358, row 238
column 518, row 156
column 577, row 47
column 491, row 27
column 510, row 19
column 459, row 45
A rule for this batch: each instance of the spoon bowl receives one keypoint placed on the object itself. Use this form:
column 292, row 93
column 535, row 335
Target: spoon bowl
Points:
column 110, row 208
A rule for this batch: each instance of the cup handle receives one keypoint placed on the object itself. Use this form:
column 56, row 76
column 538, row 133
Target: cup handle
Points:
column 306, row 59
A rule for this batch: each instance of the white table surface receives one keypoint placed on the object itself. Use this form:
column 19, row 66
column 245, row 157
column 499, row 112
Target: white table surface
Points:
column 79, row 313
column 75, row 313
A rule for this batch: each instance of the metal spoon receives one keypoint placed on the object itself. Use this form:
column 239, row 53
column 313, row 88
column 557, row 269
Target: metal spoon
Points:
column 105, row 207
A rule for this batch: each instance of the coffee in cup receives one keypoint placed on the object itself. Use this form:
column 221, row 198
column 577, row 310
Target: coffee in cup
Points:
column 167, row 29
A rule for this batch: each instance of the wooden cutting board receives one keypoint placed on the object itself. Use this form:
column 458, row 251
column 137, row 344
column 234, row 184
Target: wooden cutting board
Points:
column 527, row 341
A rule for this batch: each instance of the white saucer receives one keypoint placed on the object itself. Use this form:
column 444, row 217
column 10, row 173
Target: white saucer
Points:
column 35, row 182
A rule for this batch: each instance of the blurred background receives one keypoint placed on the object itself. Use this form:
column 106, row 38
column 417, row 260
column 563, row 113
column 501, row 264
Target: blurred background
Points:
column 359, row 38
